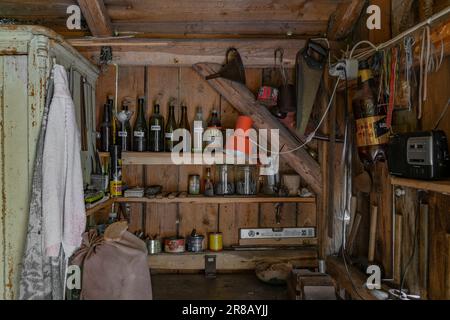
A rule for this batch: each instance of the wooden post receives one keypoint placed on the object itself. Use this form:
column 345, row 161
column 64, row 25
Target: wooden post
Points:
column 373, row 233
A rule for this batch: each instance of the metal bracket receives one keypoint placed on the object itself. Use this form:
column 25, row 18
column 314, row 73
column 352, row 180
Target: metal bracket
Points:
column 210, row 266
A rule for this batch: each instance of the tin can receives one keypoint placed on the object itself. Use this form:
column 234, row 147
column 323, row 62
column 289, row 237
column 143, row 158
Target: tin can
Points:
column 194, row 184
column 154, row 246
column 195, row 243
column 216, row 241
column 174, row 245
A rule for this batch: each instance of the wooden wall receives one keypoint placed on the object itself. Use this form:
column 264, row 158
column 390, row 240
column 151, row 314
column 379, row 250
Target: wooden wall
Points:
column 421, row 246
column 185, row 84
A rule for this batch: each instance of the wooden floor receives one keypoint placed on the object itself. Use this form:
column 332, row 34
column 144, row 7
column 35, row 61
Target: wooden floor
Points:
column 224, row 287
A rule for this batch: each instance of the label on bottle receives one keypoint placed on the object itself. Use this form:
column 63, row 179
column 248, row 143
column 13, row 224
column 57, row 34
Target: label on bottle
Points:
column 169, row 135
column 214, row 137
column 371, row 131
column 139, row 134
column 115, row 188
column 123, row 134
column 155, row 128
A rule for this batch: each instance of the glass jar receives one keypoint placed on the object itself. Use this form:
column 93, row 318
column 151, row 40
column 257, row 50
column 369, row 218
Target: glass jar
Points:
column 224, row 178
column 246, row 180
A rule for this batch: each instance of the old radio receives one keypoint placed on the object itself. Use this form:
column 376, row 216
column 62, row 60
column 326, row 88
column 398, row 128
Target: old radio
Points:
column 419, row 155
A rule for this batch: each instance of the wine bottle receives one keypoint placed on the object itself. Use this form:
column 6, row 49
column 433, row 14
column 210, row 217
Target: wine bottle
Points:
column 124, row 133
column 140, row 129
column 106, row 132
column 170, row 128
column 198, row 130
column 184, row 124
column 156, row 131
column 115, row 125
column 213, row 134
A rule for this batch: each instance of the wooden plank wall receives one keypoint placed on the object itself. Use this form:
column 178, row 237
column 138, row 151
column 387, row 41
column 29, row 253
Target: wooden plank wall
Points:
column 184, row 84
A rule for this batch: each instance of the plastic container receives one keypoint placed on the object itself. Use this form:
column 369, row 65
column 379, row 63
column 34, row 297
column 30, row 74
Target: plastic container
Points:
column 246, row 180
column 224, row 180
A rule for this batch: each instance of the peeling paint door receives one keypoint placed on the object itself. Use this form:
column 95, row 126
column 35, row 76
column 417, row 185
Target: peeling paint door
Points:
column 15, row 174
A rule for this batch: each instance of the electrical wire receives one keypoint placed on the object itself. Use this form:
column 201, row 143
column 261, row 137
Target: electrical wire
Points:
column 444, row 112
column 311, row 136
column 346, row 159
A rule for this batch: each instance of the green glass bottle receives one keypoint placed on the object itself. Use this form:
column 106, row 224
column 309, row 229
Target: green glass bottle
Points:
column 170, row 128
column 156, row 131
column 184, row 124
column 140, row 131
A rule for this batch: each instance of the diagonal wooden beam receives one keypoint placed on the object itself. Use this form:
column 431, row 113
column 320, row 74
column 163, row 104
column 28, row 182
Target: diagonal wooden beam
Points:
column 344, row 19
column 240, row 97
column 94, row 11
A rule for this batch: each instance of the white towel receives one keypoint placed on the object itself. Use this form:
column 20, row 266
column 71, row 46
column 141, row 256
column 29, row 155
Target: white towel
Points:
column 64, row 216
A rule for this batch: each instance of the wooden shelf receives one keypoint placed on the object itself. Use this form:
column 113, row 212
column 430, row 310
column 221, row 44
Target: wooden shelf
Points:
column 165, row 158
column 108, row 203
column 435, row 186
column 218, row 200
column 232, row 259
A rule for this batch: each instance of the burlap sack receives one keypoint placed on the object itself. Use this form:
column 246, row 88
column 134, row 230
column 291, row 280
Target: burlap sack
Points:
column 113, row 269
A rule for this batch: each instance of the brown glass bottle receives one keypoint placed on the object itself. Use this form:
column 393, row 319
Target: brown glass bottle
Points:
column 372, row 134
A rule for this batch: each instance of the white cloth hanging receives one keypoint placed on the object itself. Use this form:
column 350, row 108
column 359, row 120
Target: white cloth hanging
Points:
column 64, row 216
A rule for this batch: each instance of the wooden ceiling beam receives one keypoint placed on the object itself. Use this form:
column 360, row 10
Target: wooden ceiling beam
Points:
column 344, row 19
column 94, row 11
column 243, row 100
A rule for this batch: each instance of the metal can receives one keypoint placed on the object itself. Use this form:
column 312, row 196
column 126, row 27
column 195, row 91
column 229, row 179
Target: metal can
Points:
column 174, row 245
column 195, row 243
column 194, row 184
column 216, row 241
column 154, row 246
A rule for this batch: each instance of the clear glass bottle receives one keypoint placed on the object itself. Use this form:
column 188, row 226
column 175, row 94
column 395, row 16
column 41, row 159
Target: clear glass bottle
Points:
column 140, row 131
column 224, row 180
column 246, row 180
column 124, row 132
column 170, row 128
column 198, row 128
column 156, row 131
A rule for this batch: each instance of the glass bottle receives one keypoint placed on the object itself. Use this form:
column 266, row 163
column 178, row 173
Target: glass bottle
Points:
column 106, row 132
column 156, row 131
column 198, row 129
column 170, row 128
column 213, row 133
column 208, row 184
column 114, row 123
column 124, row 132
column 140, row 129
column 184, row 124
column 224, row 180
column 372, row 134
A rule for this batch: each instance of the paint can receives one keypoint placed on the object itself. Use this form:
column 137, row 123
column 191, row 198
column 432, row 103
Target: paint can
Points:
column 216, row 241
column 154, row 246
column 195, row 243
column 174, row 245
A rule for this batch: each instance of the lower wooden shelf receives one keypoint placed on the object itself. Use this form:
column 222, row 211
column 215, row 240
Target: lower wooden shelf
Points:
column 233, row 259
column 435, row 186
column 218, row 200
